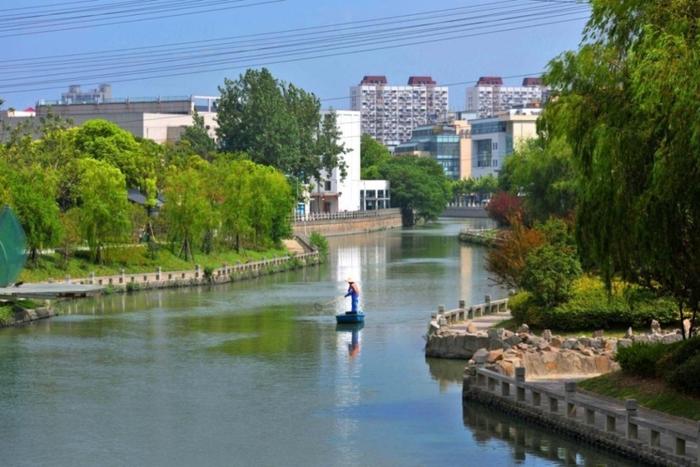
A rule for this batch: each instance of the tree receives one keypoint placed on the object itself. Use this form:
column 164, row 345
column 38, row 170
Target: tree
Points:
column 418, row 186
column 372, row 155
column 197, row 137
column 503, row 207
column 278, row 125
column 542, row 171
column 187, row 211
column 627, row 103
column 33, row 197
column 105, row 141
column 507, row 259
column 103, row 206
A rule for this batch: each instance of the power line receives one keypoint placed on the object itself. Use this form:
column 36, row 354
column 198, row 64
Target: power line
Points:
column 351, row 48
column 186, row 7
column 417, row 30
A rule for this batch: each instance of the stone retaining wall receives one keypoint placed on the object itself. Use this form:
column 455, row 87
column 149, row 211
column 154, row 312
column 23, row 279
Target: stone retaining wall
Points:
column 198, row 276
column 621, row 430
column 24, row 316
column 381, row 220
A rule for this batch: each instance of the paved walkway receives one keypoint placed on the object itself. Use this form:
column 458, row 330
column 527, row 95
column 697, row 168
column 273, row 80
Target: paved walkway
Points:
column 482, row 323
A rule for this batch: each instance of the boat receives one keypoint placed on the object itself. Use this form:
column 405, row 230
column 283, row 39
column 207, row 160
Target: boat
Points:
column 350, row 318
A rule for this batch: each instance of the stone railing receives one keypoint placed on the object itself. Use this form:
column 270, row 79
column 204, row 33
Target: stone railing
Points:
column 464, row 313
column 226, row 273
column 650, row 436
column 315, row 217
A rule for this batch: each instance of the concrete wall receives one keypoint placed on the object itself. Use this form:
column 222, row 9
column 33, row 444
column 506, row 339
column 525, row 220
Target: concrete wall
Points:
column 466, row 212
column 373, row 221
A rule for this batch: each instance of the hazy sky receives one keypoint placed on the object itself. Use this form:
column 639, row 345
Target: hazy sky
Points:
column 506, row 53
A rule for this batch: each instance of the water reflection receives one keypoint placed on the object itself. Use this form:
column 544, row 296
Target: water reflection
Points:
column 448, row 373
column 529, row 442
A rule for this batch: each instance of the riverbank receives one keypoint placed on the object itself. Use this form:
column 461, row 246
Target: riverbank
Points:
column 348, row 223
column 23, row 312
column 482, row 237
column 135, row 260
column 619, row 426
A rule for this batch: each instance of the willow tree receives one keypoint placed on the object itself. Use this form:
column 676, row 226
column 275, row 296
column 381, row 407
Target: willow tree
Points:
column 627, row 102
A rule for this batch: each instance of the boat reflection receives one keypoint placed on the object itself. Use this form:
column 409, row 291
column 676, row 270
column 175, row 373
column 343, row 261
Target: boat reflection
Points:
column 354, row 330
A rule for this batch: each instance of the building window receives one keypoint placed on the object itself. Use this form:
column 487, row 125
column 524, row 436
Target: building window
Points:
column 327, row 185
column 483, row 153
column 495, row 146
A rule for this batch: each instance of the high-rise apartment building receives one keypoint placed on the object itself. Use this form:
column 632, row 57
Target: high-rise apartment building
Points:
column 390, row 113
column 490, row 97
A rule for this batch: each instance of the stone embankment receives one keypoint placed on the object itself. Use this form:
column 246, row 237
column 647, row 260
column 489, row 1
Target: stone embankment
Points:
column 22, row 316
column 620, row 426
column 485, row 237
column 173, row 279
column 348, row 223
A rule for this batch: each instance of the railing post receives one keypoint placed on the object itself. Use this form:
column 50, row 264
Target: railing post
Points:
column 158, row 273
column 91, row 277
column 520, row 381
column 570, row 388
column 632, row 429
column 122, row 278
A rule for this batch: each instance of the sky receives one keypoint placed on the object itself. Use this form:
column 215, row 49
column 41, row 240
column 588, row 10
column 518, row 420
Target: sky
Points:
column 457, row 60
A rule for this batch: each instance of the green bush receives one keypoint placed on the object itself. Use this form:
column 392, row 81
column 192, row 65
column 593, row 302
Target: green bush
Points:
column 590, row 307
column 319, row 242
column 686, row 376
column 549, row 272
column 641, row 359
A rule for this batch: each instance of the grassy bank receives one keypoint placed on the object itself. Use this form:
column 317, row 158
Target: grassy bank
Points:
column 136, row 260
column 649, row 392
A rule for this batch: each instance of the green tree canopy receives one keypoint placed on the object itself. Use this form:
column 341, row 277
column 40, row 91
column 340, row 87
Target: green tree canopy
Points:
column 627, row 103
column 418, row 186
column 277, row 124
column 197, row 137
column 103, row 207
column 543, row 172
column 372, row 155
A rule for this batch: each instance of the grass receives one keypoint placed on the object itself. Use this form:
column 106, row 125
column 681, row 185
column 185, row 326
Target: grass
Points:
column 649, row 393
column 512, row 325
column 136, row 260
column 5, row 312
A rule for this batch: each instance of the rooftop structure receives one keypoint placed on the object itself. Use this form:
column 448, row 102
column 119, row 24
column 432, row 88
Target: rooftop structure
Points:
column 390, row 113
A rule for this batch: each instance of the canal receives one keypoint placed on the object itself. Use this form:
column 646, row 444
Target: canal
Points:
column 254, row 373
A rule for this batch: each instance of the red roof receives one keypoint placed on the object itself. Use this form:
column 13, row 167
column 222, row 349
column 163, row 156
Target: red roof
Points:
column 374, row 79
column 490, row 81
column 421, row 81
column 30, row 109
column 532, row 82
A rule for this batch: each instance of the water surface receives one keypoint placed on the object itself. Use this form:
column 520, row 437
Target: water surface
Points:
column 253, row 373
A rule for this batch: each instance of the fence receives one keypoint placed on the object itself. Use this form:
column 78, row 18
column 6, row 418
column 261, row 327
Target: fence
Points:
column 591, row 416
column 159, row 278
column 489, row 307
column 313, row 217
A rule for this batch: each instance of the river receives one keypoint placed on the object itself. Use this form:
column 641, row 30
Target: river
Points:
column 253, row 373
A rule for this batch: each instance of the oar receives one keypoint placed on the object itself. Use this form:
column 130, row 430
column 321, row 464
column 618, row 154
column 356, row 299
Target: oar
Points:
column 321, row 306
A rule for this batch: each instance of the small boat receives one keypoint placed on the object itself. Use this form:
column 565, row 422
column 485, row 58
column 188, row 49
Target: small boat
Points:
column 350, row 318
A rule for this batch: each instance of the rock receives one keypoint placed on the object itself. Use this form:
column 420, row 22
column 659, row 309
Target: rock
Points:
column 556, row 341
column 655, row 327
column 587, row 352
column 495, row 344
column 623, row 343
column 543, row 345
column 611, row 345
column 506, row 334
column 569, row 343
column 534, row 340
column 641, row 338
column 471, row 328
column 598, row 333
column 598, row 343
column 494, row 333
column 671, row 338
column 523, row 346
column 584, row 341
column 513, row 340
column 686, row 326
column 523, row 329
column 547, row 335
column 629, row 334
column 494, row 356
column 481, row 356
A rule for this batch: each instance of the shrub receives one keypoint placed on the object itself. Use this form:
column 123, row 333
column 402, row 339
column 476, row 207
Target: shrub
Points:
column 590, row 307
column 503, row 207
column 686, row 376
column 640, row 359
column 507, row 259
column 549, row 272
column 319, row 242
column 208, row 273
column 523, row 309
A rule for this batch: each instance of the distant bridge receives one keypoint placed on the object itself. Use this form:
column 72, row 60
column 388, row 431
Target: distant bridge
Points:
column 465, row 211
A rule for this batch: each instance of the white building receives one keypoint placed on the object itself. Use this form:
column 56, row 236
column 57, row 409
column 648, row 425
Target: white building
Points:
column 390, row 113
column 159, row 119
column 494, row 138
column 333, row 194
column 490, row 97
column 75, row 95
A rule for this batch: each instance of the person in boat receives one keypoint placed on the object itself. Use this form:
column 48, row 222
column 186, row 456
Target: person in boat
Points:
column 354, row 293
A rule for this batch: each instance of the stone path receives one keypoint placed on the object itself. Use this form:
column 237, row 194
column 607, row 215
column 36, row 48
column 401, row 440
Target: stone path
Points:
column 47, row 291
column 482, row 323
